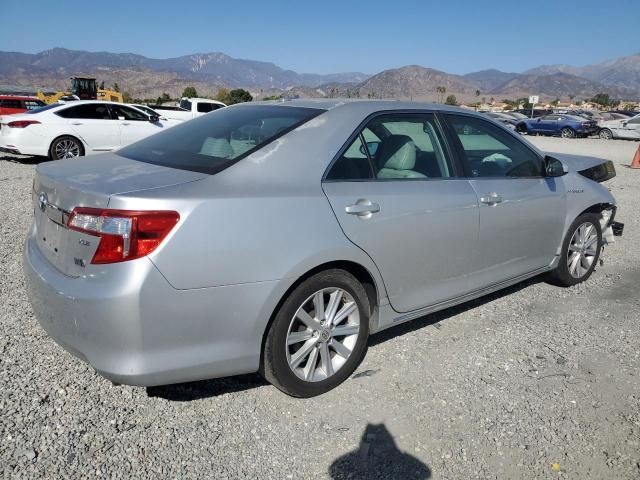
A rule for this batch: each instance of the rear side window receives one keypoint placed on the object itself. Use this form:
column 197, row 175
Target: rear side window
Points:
column 186, row 104
column 490, row 151
column 207, row 107
column 211, row 143
column 121, row 112
column 400, row 146
column 93, row 111
column 11, row 104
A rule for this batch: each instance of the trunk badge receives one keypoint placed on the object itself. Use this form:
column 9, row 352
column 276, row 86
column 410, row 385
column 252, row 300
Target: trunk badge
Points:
column 43, row 201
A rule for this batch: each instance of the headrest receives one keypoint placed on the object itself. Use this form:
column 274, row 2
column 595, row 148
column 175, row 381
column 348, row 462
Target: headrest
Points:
column 397, row 152
column 217, row 147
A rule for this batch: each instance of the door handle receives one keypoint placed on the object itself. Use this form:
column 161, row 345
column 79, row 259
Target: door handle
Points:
column 125, row 123
column 76, row 123
column 491, row 199
column 362, row 208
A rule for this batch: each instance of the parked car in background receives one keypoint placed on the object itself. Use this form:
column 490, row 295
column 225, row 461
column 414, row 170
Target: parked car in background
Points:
column 627, row 128
column 11, row 104
column 508, row 121
column 190, row 108
column 628, row 113
column 515, row 115
column 567, row 126
column 278, row 237
column 77, row 128
column 537, row 112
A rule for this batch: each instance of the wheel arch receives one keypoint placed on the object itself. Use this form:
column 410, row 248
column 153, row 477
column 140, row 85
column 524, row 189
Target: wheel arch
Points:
column 362, row 274
column 57, row 137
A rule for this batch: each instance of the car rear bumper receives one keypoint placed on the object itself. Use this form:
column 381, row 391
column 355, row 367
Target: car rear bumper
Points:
column 135, row 328
column 13, row 151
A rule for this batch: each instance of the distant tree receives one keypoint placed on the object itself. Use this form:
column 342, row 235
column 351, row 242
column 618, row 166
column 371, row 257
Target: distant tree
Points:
column 492, row 100
column 571, row 97
column 555, row 102
column 484, row 99
column 231, row 97
column 165, row 97
column 101, row 87
column 116, row 87
column 451, row 100
column 126, row 98
column 602, row 99
column 190, row 92
column 478, row 93
column 441, row 92
column 272, row 97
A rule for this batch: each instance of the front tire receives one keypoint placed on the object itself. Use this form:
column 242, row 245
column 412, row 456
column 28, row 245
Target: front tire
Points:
column 568, row 132
column 66, row 147
column 580, row 251
column 605, row 134
column 318, row 336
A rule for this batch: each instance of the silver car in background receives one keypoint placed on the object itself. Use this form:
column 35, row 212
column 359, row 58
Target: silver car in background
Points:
column 278, row 237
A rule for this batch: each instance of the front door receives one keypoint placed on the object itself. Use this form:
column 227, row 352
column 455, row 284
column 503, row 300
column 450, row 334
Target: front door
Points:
column 395, row 193
column 134, row 124
column 522, row 212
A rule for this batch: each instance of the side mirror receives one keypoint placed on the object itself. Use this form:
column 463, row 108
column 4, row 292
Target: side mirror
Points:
column 154, row 118
column 624, row 124
column 372, row 147
column 554, row 167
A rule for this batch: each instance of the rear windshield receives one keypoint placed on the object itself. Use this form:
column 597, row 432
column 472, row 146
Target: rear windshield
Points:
column 213, row 142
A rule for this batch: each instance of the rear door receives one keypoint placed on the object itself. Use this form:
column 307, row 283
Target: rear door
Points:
column 522, row 212
column 92, row 123
column 394, row 191
column 548, row 124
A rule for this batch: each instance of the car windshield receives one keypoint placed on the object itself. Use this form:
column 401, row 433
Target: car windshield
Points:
column 213, row 142
column 46, row 107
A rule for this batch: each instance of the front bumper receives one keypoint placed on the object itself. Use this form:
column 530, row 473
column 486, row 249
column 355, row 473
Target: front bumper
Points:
column 135, row 328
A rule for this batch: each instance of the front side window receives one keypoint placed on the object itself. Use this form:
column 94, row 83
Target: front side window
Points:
column 186, row 104
column 490, row 151
column 394, row 146
column 17, row 104
column 205, row 107
column 635, row 120
column 211, row 143
column 121, row 112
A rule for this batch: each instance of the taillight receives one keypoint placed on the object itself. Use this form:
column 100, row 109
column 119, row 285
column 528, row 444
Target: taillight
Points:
column 124, row 234
column 22, row 123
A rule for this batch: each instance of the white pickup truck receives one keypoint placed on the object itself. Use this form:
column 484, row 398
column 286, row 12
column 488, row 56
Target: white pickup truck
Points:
column 189, row 108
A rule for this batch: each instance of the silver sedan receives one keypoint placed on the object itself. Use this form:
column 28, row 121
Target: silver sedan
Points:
column 277, row 237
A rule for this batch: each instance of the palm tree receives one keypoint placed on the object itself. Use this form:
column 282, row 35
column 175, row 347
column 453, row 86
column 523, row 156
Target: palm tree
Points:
column 441, row 91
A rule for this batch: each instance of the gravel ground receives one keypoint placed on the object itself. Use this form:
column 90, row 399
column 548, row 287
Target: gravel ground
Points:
column 531, row 382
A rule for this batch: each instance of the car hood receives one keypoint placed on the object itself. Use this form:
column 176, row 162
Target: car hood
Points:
column 577, row 163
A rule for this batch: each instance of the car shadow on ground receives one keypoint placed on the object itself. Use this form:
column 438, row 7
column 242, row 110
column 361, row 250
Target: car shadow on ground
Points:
column 25, row 160
column 186, row 392
column 378, row 456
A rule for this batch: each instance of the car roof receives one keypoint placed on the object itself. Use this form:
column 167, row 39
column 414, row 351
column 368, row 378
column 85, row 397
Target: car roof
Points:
column 197, row 99
column 18, row 97
column 362, row 106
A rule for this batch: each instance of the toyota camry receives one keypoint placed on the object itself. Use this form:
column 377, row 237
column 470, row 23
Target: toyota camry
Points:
column 277, row 237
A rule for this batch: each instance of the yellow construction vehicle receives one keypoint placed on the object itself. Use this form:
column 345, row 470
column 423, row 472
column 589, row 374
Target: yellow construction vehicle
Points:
column 82, row 88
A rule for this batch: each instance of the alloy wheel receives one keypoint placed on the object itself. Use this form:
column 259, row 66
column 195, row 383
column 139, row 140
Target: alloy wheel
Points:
column 567, row 133
column 322, row 334
column 606, row 134
column 67, row 149
column 582, row 251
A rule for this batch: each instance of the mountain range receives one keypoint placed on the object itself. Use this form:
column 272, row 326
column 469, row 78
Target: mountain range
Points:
column 146, row 77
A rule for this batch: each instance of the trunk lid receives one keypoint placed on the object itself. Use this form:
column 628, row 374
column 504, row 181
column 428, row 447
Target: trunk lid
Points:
column 62, row 185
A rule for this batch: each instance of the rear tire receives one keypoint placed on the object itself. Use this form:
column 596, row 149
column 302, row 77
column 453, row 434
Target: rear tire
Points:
column 66, row 146
column 580, row 252
column 568, row 132
column 605, row 134
column 305, row 354
column 521, row 128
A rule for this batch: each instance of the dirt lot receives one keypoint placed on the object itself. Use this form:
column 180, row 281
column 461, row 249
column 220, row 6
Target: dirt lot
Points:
column 532, row 382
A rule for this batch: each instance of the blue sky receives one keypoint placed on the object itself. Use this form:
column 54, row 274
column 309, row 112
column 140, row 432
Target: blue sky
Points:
column 335, row 36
